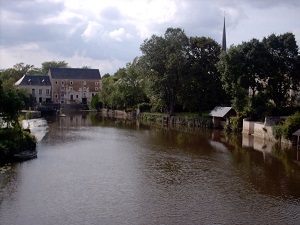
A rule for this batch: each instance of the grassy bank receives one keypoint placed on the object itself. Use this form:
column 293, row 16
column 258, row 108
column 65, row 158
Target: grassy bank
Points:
column 183, row 119
column 14, row 140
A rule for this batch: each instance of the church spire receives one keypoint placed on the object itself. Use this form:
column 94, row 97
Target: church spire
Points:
column 224, row 36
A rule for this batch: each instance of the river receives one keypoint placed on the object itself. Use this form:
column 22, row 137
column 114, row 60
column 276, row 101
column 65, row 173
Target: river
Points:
column 93, row 170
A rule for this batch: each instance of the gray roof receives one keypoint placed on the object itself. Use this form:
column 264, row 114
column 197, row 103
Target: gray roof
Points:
column 297, row 133
column 74, row 73
column 37, row 80
column 219, row 111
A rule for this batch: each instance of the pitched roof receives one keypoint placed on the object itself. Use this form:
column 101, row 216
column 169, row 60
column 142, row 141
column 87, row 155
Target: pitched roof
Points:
column 37, row 80
column 297, row 133
column 219, row 111
column 74, row 73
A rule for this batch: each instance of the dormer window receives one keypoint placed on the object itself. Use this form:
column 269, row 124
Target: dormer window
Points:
column 29, row 80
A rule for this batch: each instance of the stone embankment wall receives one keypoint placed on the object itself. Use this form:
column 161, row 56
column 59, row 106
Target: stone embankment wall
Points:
column 205, row 122
column 120, row 114
column 263, row 129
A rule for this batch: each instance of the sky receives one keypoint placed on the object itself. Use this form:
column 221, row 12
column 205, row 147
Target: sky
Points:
column 107, row 34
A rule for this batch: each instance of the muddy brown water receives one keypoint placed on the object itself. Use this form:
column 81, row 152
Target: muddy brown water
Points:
column 93, row 170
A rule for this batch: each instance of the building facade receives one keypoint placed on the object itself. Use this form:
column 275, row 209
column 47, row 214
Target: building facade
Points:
column 37, row 85
column 74, row 86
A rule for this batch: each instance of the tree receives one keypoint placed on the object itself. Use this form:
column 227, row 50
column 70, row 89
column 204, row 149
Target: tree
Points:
column 17, row 72
column 11, row 104
column 231, row 68
column 202, row 88
column 165, row 58
column 52, row 64
column 291, row 125
column 283, row 74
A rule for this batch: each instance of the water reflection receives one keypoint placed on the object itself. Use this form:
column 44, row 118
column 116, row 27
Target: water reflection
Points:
column 93, row 170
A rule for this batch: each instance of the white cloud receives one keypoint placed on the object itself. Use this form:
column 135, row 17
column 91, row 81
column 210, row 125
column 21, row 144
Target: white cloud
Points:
column 119, row 34
column 108, row 34
column 92, row 30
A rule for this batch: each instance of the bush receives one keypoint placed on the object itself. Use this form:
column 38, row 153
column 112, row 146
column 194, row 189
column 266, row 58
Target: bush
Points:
column 291, row 125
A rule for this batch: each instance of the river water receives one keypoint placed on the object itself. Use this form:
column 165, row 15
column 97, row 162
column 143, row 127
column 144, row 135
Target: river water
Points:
column 93, row 170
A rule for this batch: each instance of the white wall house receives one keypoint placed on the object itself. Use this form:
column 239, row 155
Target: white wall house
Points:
column 37, row 85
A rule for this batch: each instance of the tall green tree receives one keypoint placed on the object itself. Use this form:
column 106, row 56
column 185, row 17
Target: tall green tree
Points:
column 53, row 64
column 166, row 58
column 202, row 87
column 17, row 71
column 283, row 74
column 11, row 104
column 231, row 68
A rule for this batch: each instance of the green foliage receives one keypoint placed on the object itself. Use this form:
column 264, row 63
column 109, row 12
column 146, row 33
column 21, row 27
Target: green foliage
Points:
column 52, row 64
column 283, row 69
column 235, row 125
column 15, row 140
column 277, row 131
column 144, row 107
column 269, row 69
column 11, row 104
column 165, row 60
column 96, row 103
column 124, row 90
column 202, row 88
column 291, row 125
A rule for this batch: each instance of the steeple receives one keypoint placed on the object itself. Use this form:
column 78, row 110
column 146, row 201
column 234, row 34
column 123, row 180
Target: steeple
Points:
column 224, row 36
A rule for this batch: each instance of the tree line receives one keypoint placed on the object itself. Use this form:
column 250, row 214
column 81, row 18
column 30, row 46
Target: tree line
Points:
column 180, row 73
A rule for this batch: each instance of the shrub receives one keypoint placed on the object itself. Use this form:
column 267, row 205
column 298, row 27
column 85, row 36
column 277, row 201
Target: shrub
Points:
column 291, row 125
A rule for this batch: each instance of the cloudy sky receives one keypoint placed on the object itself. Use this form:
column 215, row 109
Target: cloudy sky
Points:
column 106, row 34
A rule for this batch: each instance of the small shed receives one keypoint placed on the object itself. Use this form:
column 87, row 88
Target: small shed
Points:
column 221, row 116
column 297, row 133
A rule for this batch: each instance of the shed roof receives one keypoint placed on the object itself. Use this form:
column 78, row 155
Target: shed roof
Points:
column 219, row 111
column 37, row 80
column 74, row 73
column 297, row 133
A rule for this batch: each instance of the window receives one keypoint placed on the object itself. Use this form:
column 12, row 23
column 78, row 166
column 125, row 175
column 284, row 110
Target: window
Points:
column 62, row 82
column 71, row 88
column 47, row 91
column 56, row 96
column 76, row 96
column 71, row 82
column 33, row 91
column 40, row 91
column 84, row 88
column 56, row 82
column 96, row 83
column 62, row 89
column 62, row 95
column 96, row 88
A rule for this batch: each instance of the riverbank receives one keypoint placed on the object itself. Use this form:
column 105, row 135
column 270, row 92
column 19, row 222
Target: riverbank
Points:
column 13, row 141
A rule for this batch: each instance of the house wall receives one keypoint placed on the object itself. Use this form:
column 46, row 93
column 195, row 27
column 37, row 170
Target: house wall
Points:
column 43, row 92
column 74, row 91
column 262, row 130
column 248, row 126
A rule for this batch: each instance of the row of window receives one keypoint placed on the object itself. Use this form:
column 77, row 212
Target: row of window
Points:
column 40, row 91
column 62, row 95
column 71, row 89
column 71, row 82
